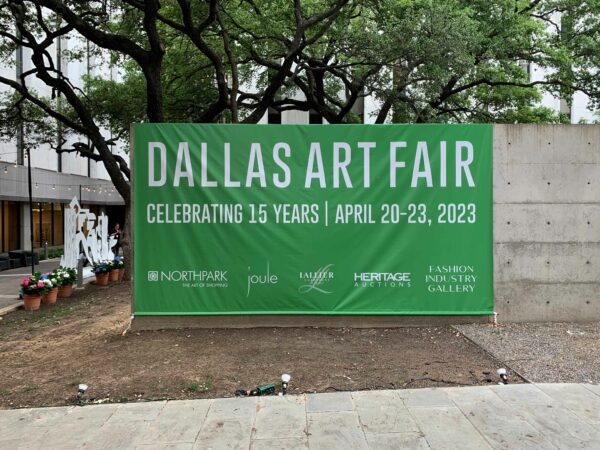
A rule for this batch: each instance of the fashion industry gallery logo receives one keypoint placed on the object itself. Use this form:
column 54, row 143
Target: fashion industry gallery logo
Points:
column 316, row 281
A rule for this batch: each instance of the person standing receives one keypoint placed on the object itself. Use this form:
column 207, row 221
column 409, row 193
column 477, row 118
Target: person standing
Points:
column 116, row 234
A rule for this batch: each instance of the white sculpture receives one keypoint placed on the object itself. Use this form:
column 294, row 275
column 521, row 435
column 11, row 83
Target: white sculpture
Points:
column 81, row 236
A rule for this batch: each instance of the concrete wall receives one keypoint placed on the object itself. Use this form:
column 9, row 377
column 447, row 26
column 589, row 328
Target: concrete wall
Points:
column 547, row 222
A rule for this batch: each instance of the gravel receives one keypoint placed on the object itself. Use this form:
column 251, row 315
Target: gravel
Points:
column 543, row 352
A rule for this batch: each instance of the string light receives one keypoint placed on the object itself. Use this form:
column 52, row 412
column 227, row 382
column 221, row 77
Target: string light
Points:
column 99, row 189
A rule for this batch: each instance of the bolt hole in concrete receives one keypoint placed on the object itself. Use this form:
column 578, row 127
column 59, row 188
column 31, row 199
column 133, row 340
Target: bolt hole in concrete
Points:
column 547, row 302
column 508, row 223
column 588, row 183
column 547, row 262
column 588, row 222
column 509, row 183
column 548, row 183
column 587, row 301
column 548, row 223
column 507, row 262
column 587, row 262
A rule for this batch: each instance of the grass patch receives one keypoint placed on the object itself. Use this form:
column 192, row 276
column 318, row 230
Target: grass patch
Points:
column 196, row 386
column 52, row 315
column 37, row 319
column 75, row 382
column 30, row 387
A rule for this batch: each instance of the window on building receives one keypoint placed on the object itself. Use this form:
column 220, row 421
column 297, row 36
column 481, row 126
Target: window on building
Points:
column 9, row 226
column 58, row 219
column 48, row 219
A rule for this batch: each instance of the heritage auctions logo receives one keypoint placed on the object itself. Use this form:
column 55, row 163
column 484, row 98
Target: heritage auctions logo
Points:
column 315, row 280
column 267, row 278
column 382, row 279
column 191, row 278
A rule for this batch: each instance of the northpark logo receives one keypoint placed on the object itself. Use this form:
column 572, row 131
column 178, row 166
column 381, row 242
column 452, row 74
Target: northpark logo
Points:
column 208, row 276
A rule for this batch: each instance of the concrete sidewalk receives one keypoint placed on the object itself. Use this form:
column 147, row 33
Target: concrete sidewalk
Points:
column 10, row 280
column 544, row 416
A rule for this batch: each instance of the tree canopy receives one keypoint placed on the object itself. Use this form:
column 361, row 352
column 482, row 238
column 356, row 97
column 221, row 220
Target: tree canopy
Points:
column 235, row 60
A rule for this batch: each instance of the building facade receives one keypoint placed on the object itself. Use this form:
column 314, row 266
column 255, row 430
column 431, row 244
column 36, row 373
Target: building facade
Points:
column 55, row 178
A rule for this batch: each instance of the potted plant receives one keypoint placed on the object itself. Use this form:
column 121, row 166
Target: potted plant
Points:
column 66, row 277
column 116, row 266
column 51, row 288
column 101, row 269
column 33, row 288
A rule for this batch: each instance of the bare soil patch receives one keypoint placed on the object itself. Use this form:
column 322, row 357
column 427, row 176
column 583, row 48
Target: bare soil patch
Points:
column 44, row 355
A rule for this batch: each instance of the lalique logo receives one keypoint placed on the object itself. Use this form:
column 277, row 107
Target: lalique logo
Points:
column 316, row 281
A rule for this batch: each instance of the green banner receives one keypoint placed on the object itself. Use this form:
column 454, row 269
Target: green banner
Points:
column 313, row 219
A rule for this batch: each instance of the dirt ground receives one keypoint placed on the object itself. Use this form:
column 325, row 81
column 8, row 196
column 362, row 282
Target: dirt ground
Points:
column 46, row 354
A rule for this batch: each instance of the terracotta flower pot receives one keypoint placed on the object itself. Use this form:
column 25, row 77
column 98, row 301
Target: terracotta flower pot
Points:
column 65, row 291
column 102, row 279
column 50, row 297
column 114, row 274
column 32, row 301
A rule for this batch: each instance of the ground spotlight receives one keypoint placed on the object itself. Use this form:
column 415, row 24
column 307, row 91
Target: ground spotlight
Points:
column 503, row 376
column 285, row 381
column 81, row 391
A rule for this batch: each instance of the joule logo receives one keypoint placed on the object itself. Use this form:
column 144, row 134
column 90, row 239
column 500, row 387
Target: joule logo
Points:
column 267, row 278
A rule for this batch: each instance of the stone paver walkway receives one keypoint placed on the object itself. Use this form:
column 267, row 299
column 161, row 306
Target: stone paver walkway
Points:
column 543, row 416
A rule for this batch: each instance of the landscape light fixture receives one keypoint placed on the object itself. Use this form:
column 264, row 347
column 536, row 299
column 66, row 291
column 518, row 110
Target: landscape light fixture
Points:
column 81, row 391
column 285, row 381
column 503, row 376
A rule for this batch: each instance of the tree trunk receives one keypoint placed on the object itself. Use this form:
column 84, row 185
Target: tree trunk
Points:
column 127, row 243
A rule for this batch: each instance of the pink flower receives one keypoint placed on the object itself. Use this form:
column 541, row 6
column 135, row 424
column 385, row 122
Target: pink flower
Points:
column 25, row 282
column 40, row 284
